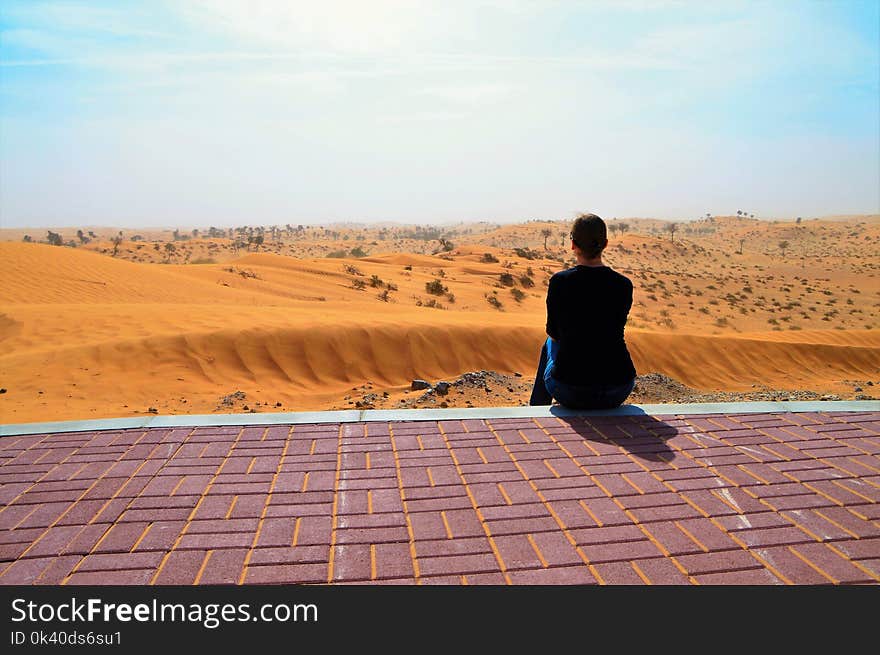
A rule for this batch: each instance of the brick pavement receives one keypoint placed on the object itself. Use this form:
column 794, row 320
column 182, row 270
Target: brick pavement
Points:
column 777, row 498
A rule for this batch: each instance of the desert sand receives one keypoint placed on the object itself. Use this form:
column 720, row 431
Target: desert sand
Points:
column 190, row 323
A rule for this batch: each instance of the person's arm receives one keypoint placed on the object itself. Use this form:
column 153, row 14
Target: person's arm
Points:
column 552, row 310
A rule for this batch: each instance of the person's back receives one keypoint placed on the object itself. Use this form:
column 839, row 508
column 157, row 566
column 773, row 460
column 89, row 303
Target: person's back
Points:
column 587, row 308
column 585, row 362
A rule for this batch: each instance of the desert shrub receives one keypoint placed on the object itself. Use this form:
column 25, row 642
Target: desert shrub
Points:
column 204, row 260
column 517, row 294
column 357, row 251
column 352, row 270
column 435, row 287
column 360, row 285
column 492, row 299
column 376, row 282
column 506, row 280
column 526, row 253
column 526, row 281
column 383, row 295
column 489, row 258
column 337, row 254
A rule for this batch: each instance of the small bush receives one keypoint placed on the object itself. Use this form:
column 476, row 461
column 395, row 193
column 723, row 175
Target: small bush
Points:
column 517, row 294
column 489, row 258
column 506, row 280
column 435, row 287
column 337, row 254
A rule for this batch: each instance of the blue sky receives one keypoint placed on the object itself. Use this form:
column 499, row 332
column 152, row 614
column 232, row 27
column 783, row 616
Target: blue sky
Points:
column 234, row 112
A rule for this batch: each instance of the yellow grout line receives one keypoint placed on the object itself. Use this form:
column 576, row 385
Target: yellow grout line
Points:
column 868, row 466
column 202, row 452
column 203, row 567
column 587, row 509
column 855, row 563
column 632, row 484
column 537, row 550
column 546, row 503
column 141, row 538
column 501, row 565
column 833, row 522
column 430, row 477
column 178, row 485
column 589, row 446
column 446, row 525
column 334, row 515
column 524, row 437
column 192, row 513
column 552, row 470
column 367, row 461
column 668, row 459
column 28, row 515
column 251, row 465
column 464, row 579
column 295, row 532
column 753, row 475
column 419, row 441
column 852, row 491
column 641, row 573
column 369, row 501
column 314, row 445
column 231, row 507
column 823, row 494
column 810, row 564
column 504, row 494
column 247, row 557
column 78, row 471
column 305, row 483
column 724, row 500
column 482, row 456
column 691, row 536
column 400, row 489
column 373, row 575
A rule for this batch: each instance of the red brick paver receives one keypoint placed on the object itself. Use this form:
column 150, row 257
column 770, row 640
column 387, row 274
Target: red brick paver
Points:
column 782, row 498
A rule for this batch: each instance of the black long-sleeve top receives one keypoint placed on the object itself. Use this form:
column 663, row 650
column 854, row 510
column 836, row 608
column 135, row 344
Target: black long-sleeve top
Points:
column 587, row 308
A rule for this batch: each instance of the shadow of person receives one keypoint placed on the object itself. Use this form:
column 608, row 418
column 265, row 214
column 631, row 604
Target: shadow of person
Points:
column 628, row 427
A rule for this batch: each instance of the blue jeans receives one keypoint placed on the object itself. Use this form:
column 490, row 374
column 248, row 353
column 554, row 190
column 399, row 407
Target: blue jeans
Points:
column 599, row 396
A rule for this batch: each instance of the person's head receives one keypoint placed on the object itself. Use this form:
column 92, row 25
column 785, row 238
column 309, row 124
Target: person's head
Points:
column 589, row 235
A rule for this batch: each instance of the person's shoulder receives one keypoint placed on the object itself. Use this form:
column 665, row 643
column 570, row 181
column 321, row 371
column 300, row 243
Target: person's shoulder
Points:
column 620, row 277
column 559, row 276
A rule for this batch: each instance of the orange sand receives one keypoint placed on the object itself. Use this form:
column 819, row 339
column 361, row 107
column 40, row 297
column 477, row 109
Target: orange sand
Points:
column 89, row 335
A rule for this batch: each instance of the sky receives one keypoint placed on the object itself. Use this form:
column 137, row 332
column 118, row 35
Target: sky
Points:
column 193, row 113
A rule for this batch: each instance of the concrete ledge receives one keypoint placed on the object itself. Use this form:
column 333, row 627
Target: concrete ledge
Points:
column 388, row 415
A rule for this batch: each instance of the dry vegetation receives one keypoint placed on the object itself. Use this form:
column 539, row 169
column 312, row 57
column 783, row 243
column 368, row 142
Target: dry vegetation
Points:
column 798, row 283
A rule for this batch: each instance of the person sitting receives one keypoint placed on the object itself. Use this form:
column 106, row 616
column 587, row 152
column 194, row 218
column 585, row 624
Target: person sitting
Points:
column 584, row 362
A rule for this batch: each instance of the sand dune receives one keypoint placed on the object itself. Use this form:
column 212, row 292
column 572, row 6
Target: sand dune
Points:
column 88, row 335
